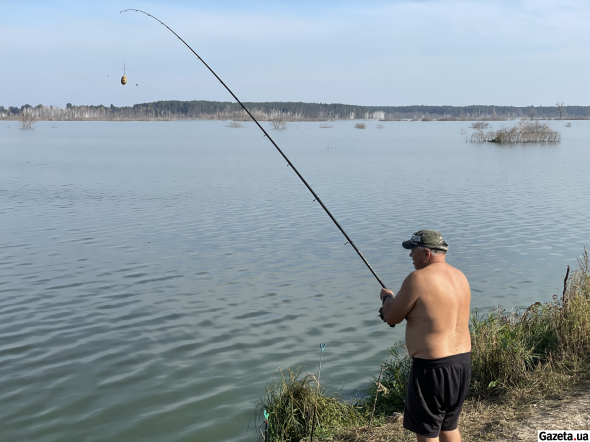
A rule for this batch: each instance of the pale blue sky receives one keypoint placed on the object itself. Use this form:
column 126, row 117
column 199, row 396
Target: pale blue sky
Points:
column 453, row 52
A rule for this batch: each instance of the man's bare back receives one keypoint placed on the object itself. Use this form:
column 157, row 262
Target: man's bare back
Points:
column 435, row 300
column 438, row 324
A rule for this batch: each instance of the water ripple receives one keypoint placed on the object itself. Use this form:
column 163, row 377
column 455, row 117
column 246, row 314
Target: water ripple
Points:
column 156, row 275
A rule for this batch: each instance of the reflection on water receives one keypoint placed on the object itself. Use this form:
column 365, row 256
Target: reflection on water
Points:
column 156, row 274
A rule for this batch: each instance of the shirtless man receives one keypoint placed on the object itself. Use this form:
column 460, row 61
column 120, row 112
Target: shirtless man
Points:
column 435, row 301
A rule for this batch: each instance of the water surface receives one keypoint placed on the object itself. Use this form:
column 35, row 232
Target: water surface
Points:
column 154, row 275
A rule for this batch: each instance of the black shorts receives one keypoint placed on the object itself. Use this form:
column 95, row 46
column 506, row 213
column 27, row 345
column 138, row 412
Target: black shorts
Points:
column 436, row 391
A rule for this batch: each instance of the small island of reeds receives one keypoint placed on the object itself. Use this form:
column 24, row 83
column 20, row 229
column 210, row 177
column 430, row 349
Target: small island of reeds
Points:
column 524, row 132
column 518, row 357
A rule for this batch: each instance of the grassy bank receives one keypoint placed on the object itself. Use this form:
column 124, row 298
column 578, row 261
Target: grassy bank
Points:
column 518, row 358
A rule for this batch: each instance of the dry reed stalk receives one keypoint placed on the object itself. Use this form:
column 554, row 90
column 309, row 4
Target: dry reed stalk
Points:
column 376, row 395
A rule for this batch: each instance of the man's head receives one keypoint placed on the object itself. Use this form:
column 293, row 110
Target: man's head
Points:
column 426, row 247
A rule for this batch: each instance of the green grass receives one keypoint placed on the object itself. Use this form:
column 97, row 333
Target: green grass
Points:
column 394, row 382
column 546, row 345
column 296, row 400
column 516, row 356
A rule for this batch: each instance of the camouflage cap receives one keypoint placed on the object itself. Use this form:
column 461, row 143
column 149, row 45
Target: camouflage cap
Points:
column 426, row 238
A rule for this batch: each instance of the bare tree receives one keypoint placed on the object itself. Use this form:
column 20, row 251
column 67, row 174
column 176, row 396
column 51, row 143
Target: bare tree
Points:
column 532, row 113
column 277, row 121
column 27, row 119
column 560, row 109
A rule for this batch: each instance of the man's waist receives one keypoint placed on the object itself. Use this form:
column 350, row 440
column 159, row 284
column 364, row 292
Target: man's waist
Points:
column 447, row 361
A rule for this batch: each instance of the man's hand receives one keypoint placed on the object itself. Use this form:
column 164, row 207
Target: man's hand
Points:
column 385, row 292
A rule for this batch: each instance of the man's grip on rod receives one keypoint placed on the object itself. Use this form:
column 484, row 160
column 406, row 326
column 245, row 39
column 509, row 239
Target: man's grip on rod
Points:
column 388, row 295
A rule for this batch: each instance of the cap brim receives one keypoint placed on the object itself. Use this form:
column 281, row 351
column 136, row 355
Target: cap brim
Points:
column 409, row 245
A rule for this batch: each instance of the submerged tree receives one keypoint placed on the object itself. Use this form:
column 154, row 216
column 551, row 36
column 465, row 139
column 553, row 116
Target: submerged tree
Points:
column 27, row 119
column 560, row 109
column 278, row 121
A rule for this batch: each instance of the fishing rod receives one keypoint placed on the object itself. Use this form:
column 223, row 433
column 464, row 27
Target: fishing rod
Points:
column 317, row 198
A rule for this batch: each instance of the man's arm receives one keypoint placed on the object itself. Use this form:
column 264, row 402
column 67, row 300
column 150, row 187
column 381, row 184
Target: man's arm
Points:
column 397, row 308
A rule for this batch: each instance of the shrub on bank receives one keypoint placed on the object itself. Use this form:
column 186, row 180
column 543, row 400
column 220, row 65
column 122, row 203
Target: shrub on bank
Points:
column 393, row 385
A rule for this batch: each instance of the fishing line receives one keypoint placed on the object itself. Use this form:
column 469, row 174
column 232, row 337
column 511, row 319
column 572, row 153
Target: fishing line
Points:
column 124, row 77
column 317, row 198
column 124, row 39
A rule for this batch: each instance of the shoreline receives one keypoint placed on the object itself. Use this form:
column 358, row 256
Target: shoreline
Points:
column 493, row 420
column 17, row 118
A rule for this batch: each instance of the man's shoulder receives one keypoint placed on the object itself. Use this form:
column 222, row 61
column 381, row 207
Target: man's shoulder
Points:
column 435, row 271
column 456, row 272
column 442, row 267
column 416, row 277
column 427, row 271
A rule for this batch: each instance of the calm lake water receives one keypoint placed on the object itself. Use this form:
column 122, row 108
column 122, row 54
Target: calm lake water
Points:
column 155, row 275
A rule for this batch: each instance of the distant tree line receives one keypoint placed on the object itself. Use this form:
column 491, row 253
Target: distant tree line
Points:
column 294, row 111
